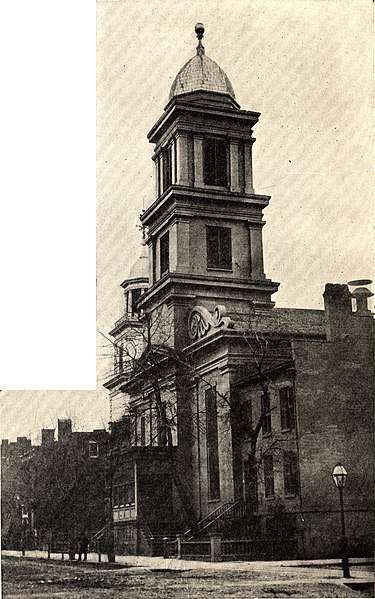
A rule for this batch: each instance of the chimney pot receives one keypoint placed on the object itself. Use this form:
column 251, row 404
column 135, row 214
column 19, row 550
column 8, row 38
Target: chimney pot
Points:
column 361, row 295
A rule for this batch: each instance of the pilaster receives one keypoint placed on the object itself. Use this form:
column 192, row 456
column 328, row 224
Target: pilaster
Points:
column 234, row 166
column 183, row 245
column 248, row 167
column 182, row 170
column 256, row 251
column 198, row 160
column 173, row 162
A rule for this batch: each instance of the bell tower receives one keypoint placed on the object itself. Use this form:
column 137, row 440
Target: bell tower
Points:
column 205, row 224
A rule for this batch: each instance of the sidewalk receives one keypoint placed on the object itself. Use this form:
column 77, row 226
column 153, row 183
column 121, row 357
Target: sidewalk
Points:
column 308, row 570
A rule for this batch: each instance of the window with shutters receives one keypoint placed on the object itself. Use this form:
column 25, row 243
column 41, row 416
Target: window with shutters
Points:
column 215, row 162
column 266, row 414
column 290, row 473
column 219, row 247
column 287, row 411
column 212, row 441
column 269, row 483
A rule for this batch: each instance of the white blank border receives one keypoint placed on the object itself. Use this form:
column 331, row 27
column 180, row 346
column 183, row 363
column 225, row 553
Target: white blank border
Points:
column 47, row 213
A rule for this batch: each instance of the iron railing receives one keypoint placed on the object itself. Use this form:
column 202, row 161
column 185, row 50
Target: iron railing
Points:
column 226, row 510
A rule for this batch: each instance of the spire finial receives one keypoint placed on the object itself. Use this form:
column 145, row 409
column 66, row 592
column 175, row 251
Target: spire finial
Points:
column 199, row 30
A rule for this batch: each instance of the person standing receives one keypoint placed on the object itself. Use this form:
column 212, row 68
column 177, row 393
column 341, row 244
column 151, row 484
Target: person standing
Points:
column 82, row 547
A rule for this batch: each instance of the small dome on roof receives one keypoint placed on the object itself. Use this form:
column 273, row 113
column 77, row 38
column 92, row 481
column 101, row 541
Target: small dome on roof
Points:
column 201, row 73
column 140, row 269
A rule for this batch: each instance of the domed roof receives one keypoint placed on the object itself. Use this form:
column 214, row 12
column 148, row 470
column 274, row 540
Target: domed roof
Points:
column 140, row 268
column 201, row 73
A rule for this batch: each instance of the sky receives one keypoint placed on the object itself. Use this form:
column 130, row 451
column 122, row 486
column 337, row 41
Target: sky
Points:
column 306, row 65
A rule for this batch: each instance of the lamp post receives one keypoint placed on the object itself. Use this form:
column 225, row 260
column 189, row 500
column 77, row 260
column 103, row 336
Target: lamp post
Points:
column 339, row 476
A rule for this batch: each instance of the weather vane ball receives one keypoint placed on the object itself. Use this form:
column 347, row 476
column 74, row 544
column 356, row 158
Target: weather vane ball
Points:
column 199, row 30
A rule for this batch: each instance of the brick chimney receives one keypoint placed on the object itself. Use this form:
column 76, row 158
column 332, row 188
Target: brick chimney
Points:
column 48, row 436
column 338, row 310
column 64, row 430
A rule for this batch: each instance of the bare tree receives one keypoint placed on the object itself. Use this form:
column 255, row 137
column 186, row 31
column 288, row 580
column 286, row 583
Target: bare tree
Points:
column 156, row 369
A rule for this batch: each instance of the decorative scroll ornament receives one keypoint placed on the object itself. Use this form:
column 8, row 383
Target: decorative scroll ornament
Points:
column 201, row 321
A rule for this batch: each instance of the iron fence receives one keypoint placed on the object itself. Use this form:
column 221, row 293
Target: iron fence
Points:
column 259, row 549
column 195, row 550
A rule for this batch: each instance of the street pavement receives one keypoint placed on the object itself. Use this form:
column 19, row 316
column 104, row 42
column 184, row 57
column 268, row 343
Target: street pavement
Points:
column 317, row 571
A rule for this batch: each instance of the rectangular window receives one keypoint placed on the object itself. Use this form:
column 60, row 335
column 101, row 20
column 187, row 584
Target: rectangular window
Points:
column 245, row 420
column 120, row 358
column 219, row 247
column 163, row 425
column 215, row 162
column 124, row 486
column 212, row 441
column 266, row 414
column 269, row 484
column 151, row 421
column 167, row 167
column 116, row 496
column 134, row 427
column 158, row 175
column 164, row 254
column 136, row 294
column 287, row 412
column 93, row 449
column 154, row 260
column 129, row 484
column 143, row 431
column 290, row 473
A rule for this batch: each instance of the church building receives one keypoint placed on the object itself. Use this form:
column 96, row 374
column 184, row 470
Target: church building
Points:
column 233, row 412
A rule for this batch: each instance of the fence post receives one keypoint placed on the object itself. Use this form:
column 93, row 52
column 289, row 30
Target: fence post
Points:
column 215, row 539
column 99, row 551
column 165, row 547
column 179, row 548
column 49, row 543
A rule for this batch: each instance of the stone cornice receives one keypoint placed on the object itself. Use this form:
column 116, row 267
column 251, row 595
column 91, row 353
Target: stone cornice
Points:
column 198, row 202
column 177, row 108
column 189, row 285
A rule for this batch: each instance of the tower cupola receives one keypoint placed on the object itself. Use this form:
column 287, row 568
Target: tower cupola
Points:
column 201, row 73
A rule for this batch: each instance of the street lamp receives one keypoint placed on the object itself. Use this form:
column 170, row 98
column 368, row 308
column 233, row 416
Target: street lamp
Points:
column 339, row 475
